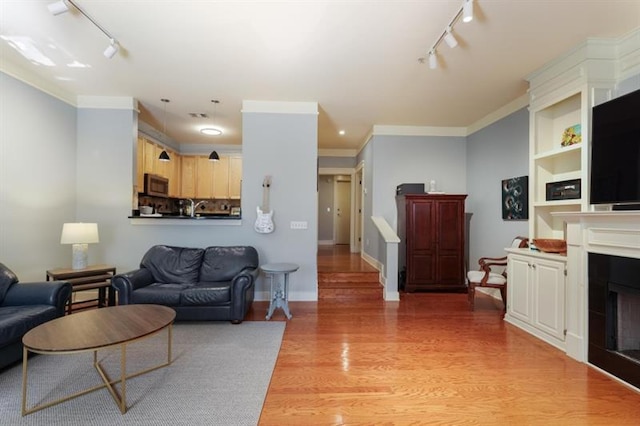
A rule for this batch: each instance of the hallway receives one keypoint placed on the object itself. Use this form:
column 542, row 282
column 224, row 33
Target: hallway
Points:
column 343, row 275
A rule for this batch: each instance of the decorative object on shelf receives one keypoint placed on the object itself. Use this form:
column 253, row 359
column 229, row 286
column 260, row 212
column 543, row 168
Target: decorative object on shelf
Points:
column 572, row 135
column 564, row 190
column 550, row 245
column 264, row 221
column 80, row 235
column 515, row 198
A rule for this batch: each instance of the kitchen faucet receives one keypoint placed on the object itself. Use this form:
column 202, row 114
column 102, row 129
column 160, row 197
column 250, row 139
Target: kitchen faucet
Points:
column 195, row 207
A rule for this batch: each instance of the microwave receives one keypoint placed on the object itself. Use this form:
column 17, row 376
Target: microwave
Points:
column 156, row 186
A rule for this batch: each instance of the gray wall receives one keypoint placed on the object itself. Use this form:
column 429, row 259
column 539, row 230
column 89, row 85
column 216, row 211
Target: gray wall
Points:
column 77, row 165
column 392, row 160
column 337, row 162
column 37, row 178
column 497, row 152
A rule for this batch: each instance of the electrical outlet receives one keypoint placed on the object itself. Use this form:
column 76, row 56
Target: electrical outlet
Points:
column 299, row 225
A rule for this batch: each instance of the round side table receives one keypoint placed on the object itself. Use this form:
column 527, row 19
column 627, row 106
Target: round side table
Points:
column 279, row 287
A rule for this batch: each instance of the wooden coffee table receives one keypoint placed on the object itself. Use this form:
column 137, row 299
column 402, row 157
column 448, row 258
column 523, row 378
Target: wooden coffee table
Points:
column 94, row 330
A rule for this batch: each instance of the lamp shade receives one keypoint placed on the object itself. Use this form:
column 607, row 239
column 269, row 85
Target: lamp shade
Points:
column 214, row 156
column 79, row 233
column 164, row 156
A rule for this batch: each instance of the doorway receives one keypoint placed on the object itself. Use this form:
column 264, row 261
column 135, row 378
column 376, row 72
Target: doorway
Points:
column 342, row 210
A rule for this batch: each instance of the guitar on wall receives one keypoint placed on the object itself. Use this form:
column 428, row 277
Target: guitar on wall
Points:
column 264, row 221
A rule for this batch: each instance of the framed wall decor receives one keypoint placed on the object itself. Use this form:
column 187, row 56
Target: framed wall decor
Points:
column 515, row 198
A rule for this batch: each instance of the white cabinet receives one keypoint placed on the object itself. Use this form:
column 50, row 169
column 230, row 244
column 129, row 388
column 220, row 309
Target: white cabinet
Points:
column 536, row 294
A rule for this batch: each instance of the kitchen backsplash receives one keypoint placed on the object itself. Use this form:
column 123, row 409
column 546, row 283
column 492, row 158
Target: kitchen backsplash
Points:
column 172, row 205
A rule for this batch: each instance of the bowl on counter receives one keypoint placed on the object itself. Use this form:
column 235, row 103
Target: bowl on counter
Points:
column 550, row 245
column 146, row 210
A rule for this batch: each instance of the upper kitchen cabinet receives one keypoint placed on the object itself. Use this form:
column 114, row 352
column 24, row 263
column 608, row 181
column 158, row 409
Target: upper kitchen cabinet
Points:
column 221, row 178
column 147, row 161
column 189, row 173
column 235, row 177
column 204, row 181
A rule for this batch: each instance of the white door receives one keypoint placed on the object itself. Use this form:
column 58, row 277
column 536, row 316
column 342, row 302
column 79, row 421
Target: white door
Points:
column 342, row 210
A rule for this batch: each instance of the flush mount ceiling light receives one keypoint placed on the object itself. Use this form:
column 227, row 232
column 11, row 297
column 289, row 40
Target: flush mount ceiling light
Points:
column 466, row 13
column 62, row 6
column 163, row 155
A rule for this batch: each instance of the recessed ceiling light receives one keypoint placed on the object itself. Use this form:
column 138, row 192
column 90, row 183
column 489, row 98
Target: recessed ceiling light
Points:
column 342, row 132
column 211, row 131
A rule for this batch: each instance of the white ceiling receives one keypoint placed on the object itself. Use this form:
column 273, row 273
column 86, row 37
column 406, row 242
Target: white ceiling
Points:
column 357, row 59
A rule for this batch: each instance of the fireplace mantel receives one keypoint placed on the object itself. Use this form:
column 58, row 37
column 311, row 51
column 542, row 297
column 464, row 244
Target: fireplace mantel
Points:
column 607, row 232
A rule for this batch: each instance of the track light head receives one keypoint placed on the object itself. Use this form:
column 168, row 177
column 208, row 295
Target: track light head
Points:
column 433, row 60
column 467, row 11
column 58, row 7
column 450, row 38
column 112, row 49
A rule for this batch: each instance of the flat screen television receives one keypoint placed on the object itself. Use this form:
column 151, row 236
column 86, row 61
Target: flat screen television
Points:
column 615, row 152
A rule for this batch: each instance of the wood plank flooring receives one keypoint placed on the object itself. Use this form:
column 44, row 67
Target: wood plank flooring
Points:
column 428, row 359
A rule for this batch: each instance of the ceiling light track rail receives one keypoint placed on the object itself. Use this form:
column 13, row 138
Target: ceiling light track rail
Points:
column 466, row 13
column 61, row 6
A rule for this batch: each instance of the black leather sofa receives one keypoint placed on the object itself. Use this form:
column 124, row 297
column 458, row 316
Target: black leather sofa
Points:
column 24, row 306
column 215, row 283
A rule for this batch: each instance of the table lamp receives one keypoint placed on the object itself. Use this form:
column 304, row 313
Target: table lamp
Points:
column 80, row 235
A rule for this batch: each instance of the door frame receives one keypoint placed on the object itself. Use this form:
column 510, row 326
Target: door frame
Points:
column 354, row 173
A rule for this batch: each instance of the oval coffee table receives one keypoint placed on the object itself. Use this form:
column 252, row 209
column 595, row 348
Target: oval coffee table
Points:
column 90, row 331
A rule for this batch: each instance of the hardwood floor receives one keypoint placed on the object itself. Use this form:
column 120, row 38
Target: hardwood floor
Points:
column 428, row 359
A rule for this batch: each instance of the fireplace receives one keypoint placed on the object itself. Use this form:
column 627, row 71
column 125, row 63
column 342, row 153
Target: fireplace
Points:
column 614, row 315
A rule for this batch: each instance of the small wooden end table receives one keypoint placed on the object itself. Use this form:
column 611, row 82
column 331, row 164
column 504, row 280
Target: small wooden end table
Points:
column 94, row 277
column 85, row 332
column 279, row 288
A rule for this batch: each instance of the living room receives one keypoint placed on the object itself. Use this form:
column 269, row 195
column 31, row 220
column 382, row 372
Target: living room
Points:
column 80, row 167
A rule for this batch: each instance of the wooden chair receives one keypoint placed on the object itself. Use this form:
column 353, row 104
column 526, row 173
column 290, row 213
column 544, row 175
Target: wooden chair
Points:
column 484, row 277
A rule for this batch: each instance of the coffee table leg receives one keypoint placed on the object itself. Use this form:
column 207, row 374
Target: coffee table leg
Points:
column 25, row 356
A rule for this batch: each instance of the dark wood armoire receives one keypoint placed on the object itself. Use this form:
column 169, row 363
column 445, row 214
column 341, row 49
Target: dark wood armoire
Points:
column 431, row 228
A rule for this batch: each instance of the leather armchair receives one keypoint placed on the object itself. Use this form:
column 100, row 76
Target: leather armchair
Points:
column 24, row 306
column 216, row 283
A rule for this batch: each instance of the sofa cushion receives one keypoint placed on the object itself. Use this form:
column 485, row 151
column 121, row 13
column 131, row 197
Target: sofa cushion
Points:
column 160, row 294
column 224, row 263
column 16, row 321
column 7, row 278
column 207, row 294
column 173, row 264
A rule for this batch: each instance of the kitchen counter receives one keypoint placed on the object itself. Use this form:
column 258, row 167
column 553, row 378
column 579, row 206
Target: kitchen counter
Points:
column 200, row 219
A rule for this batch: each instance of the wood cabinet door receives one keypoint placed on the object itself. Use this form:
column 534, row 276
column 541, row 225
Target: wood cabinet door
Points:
column 174, row 174
column 140, row 166
column 188, row 174
column 221, row 178
column 235, row 177
column 548, row 297
column 421, row 244
column 449, row 231
column 150, row 157
column 204, row 181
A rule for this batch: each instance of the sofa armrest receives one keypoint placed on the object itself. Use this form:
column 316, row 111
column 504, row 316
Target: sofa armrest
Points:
column 244, row 280
column 126, row 283
column 54, row 293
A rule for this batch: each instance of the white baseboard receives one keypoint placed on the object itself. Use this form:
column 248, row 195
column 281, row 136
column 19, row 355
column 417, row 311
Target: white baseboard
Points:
column 325, row 242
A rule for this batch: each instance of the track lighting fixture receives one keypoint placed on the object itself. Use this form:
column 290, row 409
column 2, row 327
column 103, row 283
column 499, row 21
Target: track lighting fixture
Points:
column 466, row 13
column 450, row 38
column 433, row 60
column 62, row 6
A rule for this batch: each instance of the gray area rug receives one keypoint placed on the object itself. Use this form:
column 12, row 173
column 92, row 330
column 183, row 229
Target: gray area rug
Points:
column 219, row 376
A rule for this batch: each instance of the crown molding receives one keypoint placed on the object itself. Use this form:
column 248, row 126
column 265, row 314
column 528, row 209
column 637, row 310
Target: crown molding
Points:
column 384, row 130
column 337, row 152
column 499, row 114
column 32, row 79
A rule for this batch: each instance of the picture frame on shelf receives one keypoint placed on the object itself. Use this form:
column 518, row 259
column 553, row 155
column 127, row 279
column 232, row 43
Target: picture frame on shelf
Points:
column 515, row 198
column 571, row 135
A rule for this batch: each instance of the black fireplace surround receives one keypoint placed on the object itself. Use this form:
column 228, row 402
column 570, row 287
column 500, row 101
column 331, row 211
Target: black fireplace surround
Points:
column 614, row 296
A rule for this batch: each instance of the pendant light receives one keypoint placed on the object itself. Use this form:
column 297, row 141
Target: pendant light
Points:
column 213, row 131
column 163, row 155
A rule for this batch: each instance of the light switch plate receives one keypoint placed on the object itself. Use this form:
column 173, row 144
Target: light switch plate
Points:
column 299, row 225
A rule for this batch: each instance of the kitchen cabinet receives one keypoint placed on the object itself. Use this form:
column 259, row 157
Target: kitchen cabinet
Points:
column 204, row 181
column 174, row 174
column 235, row 177
column 536, row 294
column 189, row 174
column 431, row 249
column 139, row 166
column 221, row 178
